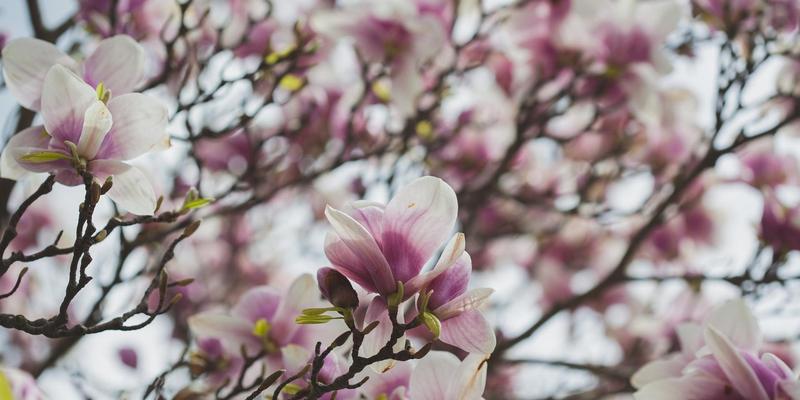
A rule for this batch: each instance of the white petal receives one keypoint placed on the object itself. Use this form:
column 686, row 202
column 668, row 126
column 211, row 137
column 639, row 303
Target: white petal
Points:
column 65, row 99
column 96, row 123
column 656, row 370
column 303, row 293
column 131, row 189
column 118, row 62
column 432, row 375
column 451, row 253
column 470, row 380
column 294, row 358
column 140, row 125
column 25, row 65
column 734, row 320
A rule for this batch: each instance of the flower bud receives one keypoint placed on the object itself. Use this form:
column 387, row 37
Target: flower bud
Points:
column 336, row 288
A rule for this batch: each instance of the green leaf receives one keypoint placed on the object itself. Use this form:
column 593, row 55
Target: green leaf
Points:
column 196, row 203
column 40, row 157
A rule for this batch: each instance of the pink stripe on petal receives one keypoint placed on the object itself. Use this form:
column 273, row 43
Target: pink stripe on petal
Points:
column 417, row 221
column 363, row 245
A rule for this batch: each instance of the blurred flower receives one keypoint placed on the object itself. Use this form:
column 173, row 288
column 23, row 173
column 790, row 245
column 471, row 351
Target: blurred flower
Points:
column 441, row 376
column 718, row 360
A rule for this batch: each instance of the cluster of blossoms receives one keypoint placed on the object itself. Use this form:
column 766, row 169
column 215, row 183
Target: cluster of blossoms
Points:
column 598, row 154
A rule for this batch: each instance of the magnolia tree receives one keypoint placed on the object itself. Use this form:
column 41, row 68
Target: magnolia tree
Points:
column 400, row 199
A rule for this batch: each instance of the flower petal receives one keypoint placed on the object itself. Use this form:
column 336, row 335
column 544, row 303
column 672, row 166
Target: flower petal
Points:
column 294, row 358
column 303, row 293
column 118, row 62
column 363, row 245
column 257, row 303
column 470, row 332
column 417, row 221
column 25, row 65
column 739, row 373
column 65, row 99
column 347, row 263
column 465, row 302
column 131, row 189
column 470, row 380
column 431, row 376
column 670, row 367
column 96, row 123
column 377, row 339
column 451, row 283
column 140, row 124
column 452, row 252
column 227, row 328
column 735, row 321
column 24, row 142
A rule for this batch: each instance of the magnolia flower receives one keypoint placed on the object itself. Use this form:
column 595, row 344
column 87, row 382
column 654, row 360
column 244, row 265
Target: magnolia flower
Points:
column 447, row 297
column 118, row 63
column 719, row 360
column 262, row 319
column 395, row 32
column 83, row 128
column 441, row 376
column 377, row 247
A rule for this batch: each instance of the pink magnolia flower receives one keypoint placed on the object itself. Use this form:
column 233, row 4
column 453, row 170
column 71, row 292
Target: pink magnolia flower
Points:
column 81, row 128
column 718, row 360
column 394, row 32
column 377, row 247
column 117, row 62
column 262, row 319
column 441, row 376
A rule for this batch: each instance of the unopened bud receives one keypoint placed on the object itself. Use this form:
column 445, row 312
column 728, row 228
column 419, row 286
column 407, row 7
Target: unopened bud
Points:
column 336, row 288
column 191, row 228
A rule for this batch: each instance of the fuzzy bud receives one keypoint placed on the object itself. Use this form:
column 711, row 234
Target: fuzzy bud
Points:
column 336, row 288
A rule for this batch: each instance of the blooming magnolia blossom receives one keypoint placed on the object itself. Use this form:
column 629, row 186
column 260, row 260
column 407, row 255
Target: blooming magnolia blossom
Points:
column 83, row 128
column 718, row 360
column 377, row 247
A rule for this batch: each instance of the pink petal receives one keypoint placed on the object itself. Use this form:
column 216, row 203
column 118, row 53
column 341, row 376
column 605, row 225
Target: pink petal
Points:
column 451, row 283
column 670, row 367
column 470, row 332
column 363, row 246
column 347, row 263
column 452, row 252
column 417, row 221
column 369, row 215
column 25, row 65
column 96, row 123
column 232, row 331
column 303, row 293
column 258, row 303
column 140, row 124
column 118, row 62
column 131, row 189
column 65, row 99
column 739, row 373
